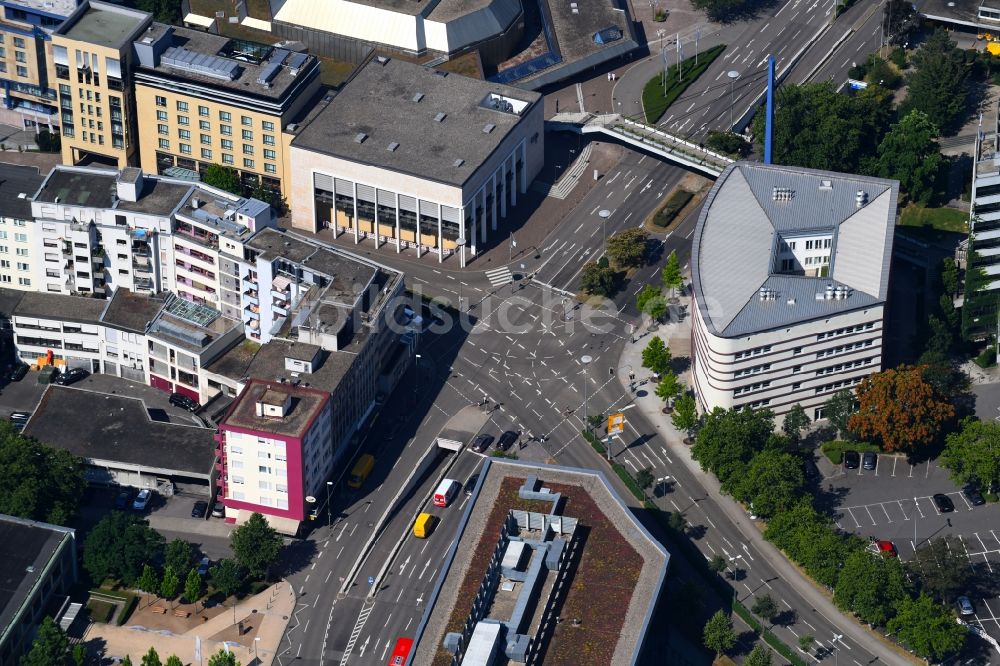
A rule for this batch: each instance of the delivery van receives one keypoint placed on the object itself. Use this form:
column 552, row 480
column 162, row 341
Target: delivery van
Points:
column 424, row 525
column 362, row 468
column 445, row 492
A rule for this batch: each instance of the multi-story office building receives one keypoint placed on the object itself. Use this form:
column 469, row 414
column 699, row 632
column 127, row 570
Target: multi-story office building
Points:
column 91, row 64
column 203, row 99
column 982, row 256
column 790, row 273
column 26, row 27
column 17, row 185
column 412, row 156
column 53, row 329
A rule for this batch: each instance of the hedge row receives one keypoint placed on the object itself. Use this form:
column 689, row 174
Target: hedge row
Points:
column 675, row 203
column 835, row 450
column 656, row 97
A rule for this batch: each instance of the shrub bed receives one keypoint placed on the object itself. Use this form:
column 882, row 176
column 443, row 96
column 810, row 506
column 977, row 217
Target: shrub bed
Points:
column 673, row 205
column 656, row 97
column 100, row 611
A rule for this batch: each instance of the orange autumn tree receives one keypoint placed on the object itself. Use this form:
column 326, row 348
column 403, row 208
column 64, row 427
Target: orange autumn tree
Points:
column 900, row 408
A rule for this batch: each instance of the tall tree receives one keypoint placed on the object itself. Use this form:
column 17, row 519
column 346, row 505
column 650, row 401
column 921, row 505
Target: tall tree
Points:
column 169, row 584
column 119, row 546
column 838, row 409
column 765, row 608
column 178, row 555
column 928, row 628
column 671, row 276
column 256, row 545
column 809, row 538
column 50, row 647
column 223, row 178
column 669, row 387
column 627, row 249
column 685, row 416
column 900, row 408
column 939, row 86
column 226, row 577
column 151, row 658
column 870, row 587
column 718, row 635
column 223, row 658
column 598, row 280
column 941, row 568
column 148, row 581
column 192, row 586
column 772, row 481
column 949, row 276
column 727, row 440
column 656, row 356
column 972, row 454
column 910, row 154
column 650, row 301
column 39, row 482
column 174, row 660
column 796, row 420
column 759, row 656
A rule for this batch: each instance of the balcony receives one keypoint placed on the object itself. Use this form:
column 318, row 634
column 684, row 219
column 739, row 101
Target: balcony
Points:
column 280, row 296
column 141, row 263
column 250, row 296
column 197, row 256
column 144, row 283
column 279, row 309
column 195, row 270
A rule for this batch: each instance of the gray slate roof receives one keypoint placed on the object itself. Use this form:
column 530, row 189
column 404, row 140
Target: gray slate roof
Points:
column 16, row 181
column 741, row 225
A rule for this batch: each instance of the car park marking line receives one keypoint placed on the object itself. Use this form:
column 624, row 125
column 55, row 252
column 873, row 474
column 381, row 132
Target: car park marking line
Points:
column 995, row 537
column 870, row 517
column 885, row 512
column 895, row 460
column 853, row 518
column 916, row 505
column 962, row 495
column 902, row 510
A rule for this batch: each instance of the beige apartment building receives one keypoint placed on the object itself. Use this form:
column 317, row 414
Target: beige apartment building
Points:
column 91, row 58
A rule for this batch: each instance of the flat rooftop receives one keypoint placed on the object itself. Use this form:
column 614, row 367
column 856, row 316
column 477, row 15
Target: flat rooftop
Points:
column 117, row 429
column 283, row 69
column 189, row 325
column 78, row 187
column 130, row 311
column 267, row 362
column 158, row 196
column 50, row 7
column 60, row 306
column 18, row 185
column 962, row 12
column 411, row 119
column 306, row 405
column 105, row 25
column 9, row 298
column 24, row 545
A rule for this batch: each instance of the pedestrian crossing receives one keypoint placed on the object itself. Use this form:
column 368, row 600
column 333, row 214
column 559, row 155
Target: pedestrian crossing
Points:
column 500, row 276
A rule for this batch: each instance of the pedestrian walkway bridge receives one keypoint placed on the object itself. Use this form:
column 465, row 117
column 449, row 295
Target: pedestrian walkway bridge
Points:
column 643, row 136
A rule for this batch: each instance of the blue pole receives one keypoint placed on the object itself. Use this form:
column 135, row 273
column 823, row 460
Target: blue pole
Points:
column 769, row 120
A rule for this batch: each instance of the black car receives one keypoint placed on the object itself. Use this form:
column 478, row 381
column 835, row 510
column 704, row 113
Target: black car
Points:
column 973, row 495
column 481, row 443
column 943, row 503
column 124, row 500
column 184, row 402
column 71, row 376
column 869, row 460
column 470, row 485
column 18, row 373
column 199, row 509
column 851, row 459
column 507, row 440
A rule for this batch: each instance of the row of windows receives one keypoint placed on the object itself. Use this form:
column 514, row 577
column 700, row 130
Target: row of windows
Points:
column 818, row 244
column 206, row 154
column 224, row 116
column 750, row 388
column 263, row 485
column 20, row 238
column 21, row 266
column 24, row 282
column 844, row 366
column 756, row 351
column 843, row 349
column 817, row 261
column 225, row 130
column 845, row 331
column 752, row 371
column 836, row 386
column 757, row 404
column 21, row 70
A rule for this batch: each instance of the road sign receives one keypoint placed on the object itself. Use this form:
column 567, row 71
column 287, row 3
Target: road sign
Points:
column 616, row 424
column 371, row 580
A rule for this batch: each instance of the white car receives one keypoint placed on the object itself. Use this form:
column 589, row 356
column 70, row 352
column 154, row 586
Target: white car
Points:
column 965, row 606
column 142, row 500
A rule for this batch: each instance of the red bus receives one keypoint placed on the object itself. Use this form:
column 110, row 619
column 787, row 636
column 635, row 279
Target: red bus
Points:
column 401, row 652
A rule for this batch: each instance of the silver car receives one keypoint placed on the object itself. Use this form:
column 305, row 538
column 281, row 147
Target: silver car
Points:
column 965, row 606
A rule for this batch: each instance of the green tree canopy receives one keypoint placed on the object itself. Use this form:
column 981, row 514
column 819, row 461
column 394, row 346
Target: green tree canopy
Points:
column 809, row 538
column 256, row 545
column 651, row 301
column 598, row 280
column 671, row 276
column 685, row 416
column 871, row 586
column 224, row 178
column 179, row 555
column 223, row 658
column 119, row 546
column 148, row 581
column 174, row 660
column 972, row 454
column 151, row 658
column 938, row 87
column 669, row 386
column 910, row 154
column 164, row 11
column 928, row 628
column 727, row 440
column 226, row 577
column 39, row 482
column 50, row 647
column 645, row 477
column 764, row 607
column 170, row 583
column 772, row 481
column 656, row 356
column 941, row 568
column 192, row 586
column 759, row 656
column 796, row 420
column 718, row 635
column 627, row 249
column 838, row 409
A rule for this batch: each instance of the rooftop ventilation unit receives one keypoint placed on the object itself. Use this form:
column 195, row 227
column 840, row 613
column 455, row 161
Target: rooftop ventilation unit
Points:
column 419, row 96
column 782, row 193
column 861, row 198
column 200, row 63
column 360, row 137
column 459, row 162
column 440, row 116
column 382, row 60
column 438, row 72
column 826, row 184
column 766, row 294
column 489, row 128
column 392, row 146
column 296, row 61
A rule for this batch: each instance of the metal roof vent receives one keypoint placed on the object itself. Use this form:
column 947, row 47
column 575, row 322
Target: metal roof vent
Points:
column 360, row 137
column 438, row 72
column 459, row 162
column 393, row 146
column 861, row 198
column 489, row 128
column 790, row 301
column 782, row 193
column 419, row 96
column 826, row 184
column 382, row 60
column 440, row 116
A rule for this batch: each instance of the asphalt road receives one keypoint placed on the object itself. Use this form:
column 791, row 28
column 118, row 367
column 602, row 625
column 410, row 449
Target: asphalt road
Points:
column 862, row 38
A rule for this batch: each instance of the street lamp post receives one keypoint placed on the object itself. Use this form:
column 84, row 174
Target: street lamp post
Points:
column 733, row 75
column 605, row 214
column 585, row 359
column 329, row 521
column 256, row 640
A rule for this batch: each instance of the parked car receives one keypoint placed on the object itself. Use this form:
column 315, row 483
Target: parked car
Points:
column 219, row 510
column 123, row 500
column 973, row 495
column 869, row 460
column 507, row 440
column 199, row 509
column 184, row 402
column 142, row 500
column 851, row 459
column 882, row 547
column 18, row 373
column 965, row 606
column 19, row 420
column 943, row 503
column 470, row 485
column 481, row 443
column 203, row 566
column 71, row 376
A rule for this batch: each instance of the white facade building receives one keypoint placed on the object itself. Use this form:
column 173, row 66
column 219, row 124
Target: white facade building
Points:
column 790, row 274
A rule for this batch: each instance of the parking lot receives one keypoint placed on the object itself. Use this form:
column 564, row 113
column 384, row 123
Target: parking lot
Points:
column 894, row 502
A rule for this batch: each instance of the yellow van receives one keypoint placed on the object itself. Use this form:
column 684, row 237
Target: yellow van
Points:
column 424, row 526
column 362, row 469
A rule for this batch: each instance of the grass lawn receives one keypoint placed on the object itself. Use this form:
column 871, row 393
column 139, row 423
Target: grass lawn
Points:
column 100, row 611
column 942, row 219
column 655, row 99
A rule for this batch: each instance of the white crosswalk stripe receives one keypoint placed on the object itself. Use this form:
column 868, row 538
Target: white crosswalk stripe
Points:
column 499, row 276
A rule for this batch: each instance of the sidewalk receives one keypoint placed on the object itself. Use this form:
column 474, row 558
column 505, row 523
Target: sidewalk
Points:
column 264, row 615
column 677, row 336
